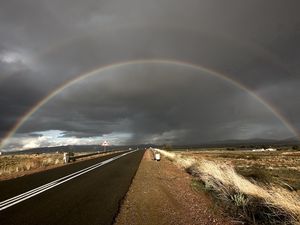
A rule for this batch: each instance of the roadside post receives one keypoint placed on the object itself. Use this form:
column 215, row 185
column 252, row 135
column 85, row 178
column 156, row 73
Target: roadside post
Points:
column 157, row 156
column 66, row 157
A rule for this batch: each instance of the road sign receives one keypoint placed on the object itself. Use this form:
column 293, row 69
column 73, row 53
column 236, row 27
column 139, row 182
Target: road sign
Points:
column 105, row 143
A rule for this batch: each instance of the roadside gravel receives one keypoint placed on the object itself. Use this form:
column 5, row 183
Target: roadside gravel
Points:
column 161, row 194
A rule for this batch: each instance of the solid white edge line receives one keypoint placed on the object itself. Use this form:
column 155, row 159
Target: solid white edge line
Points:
column 15, row 200
column 43, row 186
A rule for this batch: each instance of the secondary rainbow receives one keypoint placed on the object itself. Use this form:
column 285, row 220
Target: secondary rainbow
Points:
column 101, row 69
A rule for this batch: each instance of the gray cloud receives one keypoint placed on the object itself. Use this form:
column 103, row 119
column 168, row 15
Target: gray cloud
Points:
column 153, row 100
column 46, row 43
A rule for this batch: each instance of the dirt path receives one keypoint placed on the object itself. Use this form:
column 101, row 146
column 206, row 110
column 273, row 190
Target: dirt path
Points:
column 161, row 194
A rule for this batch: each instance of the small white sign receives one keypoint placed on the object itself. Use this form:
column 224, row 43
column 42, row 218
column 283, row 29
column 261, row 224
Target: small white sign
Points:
column 105, row 143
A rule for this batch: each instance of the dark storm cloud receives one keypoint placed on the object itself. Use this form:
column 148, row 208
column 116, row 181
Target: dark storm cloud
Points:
column 157, row 103
column 46, row 43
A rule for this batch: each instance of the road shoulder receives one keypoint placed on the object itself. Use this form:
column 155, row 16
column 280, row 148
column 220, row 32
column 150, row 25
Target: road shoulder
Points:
column 161, row 194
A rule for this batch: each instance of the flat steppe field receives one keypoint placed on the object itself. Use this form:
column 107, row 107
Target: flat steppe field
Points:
column 279, row 167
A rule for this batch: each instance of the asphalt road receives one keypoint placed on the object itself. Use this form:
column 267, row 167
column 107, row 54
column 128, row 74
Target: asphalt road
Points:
column 91, row 196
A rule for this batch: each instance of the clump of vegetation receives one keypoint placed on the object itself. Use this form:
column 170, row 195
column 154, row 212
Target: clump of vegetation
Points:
column 258, row 175
column 198, row 185
column 192, row 170
column 253, row 210
column 251, row 201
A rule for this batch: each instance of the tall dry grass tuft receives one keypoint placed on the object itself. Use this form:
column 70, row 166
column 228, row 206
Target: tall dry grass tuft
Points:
column 268, row 204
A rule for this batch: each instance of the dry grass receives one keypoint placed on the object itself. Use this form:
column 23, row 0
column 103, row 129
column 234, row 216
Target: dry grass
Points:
column 266, row 204
column 12, row 164
column 281, row 168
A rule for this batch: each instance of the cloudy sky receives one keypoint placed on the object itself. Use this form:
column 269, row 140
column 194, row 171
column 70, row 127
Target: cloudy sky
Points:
column 45, row 44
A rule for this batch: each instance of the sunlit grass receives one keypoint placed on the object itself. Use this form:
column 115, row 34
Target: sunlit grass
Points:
column 12, row 164
column 267, row 203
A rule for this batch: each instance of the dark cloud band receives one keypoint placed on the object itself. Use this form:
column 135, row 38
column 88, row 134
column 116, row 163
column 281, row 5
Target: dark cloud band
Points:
column 101, row 69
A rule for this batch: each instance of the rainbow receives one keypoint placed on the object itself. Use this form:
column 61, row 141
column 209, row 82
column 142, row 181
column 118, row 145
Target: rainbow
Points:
column 104, row 68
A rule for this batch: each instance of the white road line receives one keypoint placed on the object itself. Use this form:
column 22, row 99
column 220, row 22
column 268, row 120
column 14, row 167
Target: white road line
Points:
column 43, row 186
column 29, row 194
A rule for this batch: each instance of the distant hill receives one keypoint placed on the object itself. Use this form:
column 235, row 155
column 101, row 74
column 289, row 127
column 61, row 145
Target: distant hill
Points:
column 251, row 143
column 78, row 148
column 259, row 141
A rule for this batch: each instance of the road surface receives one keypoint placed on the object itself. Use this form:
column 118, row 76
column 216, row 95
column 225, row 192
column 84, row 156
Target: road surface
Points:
column 88, row 192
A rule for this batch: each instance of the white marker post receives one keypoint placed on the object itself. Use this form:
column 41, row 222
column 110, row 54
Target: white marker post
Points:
column 157, row 156
column 66, row 157
column 104, row 144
